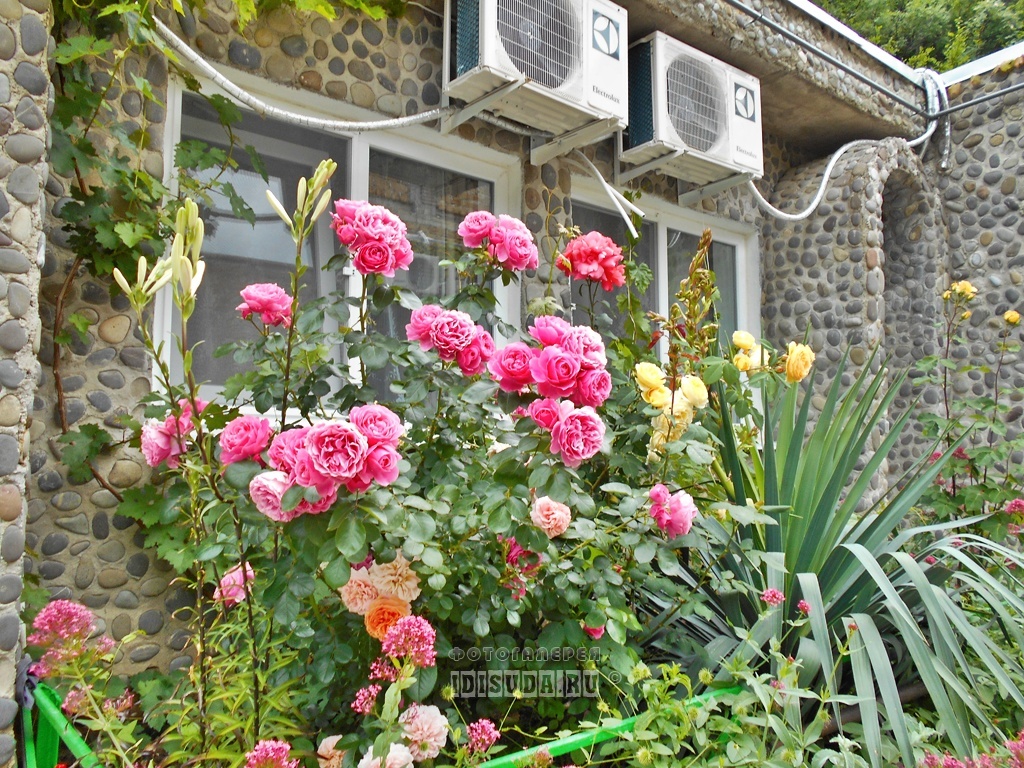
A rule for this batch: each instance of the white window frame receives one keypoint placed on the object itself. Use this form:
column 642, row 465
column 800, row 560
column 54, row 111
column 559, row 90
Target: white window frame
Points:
column 502, row 170
column 667, row 216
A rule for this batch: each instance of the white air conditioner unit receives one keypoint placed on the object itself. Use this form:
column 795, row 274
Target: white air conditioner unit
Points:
column 572, row 54
column 685, row 103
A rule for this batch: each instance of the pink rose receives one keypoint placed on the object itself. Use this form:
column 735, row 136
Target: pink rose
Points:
column 325, row 502
column 426, row 731
column 594, row 257
column 233, row 587
column 305, row 473
column 588, row 344
column 267, row 490
column 549, row 330
column 451, row 332
column 681, row 512
column 418, row 327
column 161, row 441
column 244, row 438
column 473, row 359
column 578, row 435
column 512, row 244
column 268, row 300
column 550, row 516
column 476, row 227
column 379, row 425
column 595, row 632
column 554, row 371
column 337, row 449
column 381, row 465
column 375, row 258
column 658, row 494
column 284, row 449
column 545, row 412
column 592, row 388
column 510, row 366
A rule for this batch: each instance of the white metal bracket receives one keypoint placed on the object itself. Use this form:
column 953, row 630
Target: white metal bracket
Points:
column 624, row 177
column 698, row 194
column 474, row 108
column 544, row 150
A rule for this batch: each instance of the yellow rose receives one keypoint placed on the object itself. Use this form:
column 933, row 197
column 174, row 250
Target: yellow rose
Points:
column 675, row 421
column 657, row 444
column 693, row 389
column 742, row 362
column 966, row 315
column 965, row 289
column 1012, row 317
column 659, row 397
column 649, row 376
column 798, row 362
column 743, row 340
column 758, row 359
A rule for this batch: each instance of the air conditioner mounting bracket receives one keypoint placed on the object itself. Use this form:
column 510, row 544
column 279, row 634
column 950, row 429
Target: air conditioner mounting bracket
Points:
column 624, row 177
column 543, row 150
column 698, row 194
column 450, row 122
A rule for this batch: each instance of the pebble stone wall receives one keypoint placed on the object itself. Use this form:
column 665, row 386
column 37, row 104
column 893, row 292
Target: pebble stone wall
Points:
column 981, row 193
column 25, row 101
column 861, row 270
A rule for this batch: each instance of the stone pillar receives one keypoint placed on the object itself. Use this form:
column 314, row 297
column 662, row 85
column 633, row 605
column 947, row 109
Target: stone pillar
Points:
column 25, row 96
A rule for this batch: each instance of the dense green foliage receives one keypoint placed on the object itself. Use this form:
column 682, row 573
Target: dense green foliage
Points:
column 940, row 34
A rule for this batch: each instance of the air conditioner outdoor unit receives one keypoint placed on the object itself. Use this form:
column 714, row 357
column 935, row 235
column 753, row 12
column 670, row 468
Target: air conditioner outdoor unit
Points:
column 572, row 54
column 685, row 103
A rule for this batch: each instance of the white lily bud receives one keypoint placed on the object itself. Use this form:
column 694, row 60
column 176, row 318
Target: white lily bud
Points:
column 197, row 278
column 181, row 218
column 185, row 278
column 278, row 208
column 198, row 232
column 120, row 280
column 158, row 278
column 301, row 193
column 177, row 256
column 321, row 204
column 140, row 271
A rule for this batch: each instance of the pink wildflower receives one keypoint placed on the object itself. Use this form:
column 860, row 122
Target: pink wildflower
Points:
column 773, row 597
column 60, row 622
column 411, row 638
column 778, row 685
column 270, row 753
column 931, row 560
column 365, row 699
column 75, row 702
column 804, row 607
column 961, row 454
column 482, row 736
column 383, row 669
column 1015, row 507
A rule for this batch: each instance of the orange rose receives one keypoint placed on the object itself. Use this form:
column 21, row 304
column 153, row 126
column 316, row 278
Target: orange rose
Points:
column 383, row 613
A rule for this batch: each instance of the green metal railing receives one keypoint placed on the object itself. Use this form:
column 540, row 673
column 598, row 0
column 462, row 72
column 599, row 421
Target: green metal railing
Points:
column 42, row 743
column 587, row 739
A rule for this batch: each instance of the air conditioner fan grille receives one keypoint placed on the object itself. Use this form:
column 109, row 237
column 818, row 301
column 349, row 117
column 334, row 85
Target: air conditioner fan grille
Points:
column 541, row 38
column 696, row 106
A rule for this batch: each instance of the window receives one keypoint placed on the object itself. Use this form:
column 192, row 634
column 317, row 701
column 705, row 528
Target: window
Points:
column 430, row 181
column 669, row 241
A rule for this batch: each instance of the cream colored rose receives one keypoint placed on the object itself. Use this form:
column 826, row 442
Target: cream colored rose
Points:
column 649, row 376
column 396, row 578
column 358, row 593
column 673, row 423
column 659, row 397
column 327, row 756
column 694, row 390
column 798, row 362
column 743, row 340
column 742, row 362
column 758, row 358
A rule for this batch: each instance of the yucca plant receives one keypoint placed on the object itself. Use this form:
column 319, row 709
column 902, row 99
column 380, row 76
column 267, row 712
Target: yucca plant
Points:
column 881, row 620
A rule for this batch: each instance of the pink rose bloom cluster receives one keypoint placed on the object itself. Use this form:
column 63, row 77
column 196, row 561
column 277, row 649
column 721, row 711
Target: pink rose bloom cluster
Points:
column 244, row 438
column 164, row 441
column 411, row 638
column 454, row 335
column 234, row 585
column 352, row 453
column 551, row 516
column 376, row 238
column 596, row 258
column 570, row 362
column 507, row 240
column 268, row 300
column 674, row 514
column 270, row 753
column 521, row 565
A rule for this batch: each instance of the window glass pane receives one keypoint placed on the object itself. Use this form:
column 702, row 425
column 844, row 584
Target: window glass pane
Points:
column 610, row 224
column 432, row 202
column 681, row 248
column 238, row 253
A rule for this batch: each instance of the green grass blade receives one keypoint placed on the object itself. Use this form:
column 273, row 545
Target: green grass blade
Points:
column 887, row 687
column 865, row 685
column 811, row 592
